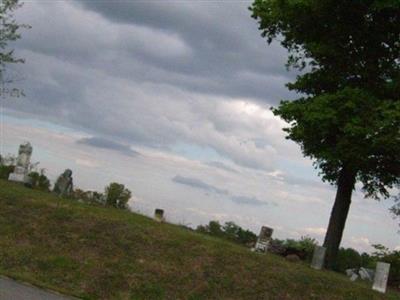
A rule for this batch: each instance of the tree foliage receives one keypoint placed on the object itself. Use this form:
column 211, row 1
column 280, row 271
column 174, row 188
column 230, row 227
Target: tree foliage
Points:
column 117, row 195
column 350, row 127
column 350, row 112
column 229, row 231
column 9, row 32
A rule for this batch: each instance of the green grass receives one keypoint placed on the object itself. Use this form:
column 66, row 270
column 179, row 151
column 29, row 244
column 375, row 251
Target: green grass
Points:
column 98, row 253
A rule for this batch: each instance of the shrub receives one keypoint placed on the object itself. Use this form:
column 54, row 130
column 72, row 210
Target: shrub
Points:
column 348, row 259
column 5, row 171
column 305, row 247
column 39, row 181
column 91, row 197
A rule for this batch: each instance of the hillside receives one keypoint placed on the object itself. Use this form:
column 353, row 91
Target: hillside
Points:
column 93, row 252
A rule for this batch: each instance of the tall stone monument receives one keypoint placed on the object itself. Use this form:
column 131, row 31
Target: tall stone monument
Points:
column 264, row 239
column 381, row 277
column 64, row 184
column 318, row 259
column 21, row 170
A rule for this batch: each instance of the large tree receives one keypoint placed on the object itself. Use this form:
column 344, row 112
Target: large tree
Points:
column 347, row 116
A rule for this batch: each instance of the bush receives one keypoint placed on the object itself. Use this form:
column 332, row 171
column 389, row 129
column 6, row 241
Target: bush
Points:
column 5, row 171
column 39, row 181
column 304, row 247
column 348, row 259
column 88, row 197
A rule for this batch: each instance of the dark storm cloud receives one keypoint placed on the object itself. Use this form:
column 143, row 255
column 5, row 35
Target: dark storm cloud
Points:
column 199, row 184
column 226, row 46
column 99, row 142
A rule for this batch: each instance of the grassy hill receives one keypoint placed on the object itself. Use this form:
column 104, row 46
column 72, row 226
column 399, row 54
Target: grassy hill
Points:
column 99, row 253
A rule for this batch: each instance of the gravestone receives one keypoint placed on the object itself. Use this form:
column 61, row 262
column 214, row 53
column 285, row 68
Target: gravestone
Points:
column 354, row 277
column 318, row 259
column 21, row 170
column 264, row 239
column 366, row 274
column 159, row 215
column 64, row 184
column 381, row 277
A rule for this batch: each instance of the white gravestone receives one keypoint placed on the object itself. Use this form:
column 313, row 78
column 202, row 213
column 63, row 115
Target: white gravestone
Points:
column 264, row 239
column 318, row 258
column 21, row 170
column 381, row 277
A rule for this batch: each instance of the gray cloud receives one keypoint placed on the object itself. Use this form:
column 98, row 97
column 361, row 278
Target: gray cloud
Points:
column 220, row 165
column 199, row 184
column 227, row 47
column 152, row 74
column 247, row 200
column 99, row 142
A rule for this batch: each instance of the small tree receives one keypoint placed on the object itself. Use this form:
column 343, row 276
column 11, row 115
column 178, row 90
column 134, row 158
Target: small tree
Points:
column 117, row 195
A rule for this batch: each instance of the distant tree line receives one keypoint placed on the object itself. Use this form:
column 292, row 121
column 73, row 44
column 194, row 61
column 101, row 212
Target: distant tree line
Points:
column 229, row 231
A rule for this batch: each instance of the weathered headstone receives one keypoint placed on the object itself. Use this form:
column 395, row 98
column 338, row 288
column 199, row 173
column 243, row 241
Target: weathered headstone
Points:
column 354, row 277
column 64, row 184
column 318, row 259
column 264, row 239
column 159, row 215
column 366, row 274
column 381, row 277
column 21, row 170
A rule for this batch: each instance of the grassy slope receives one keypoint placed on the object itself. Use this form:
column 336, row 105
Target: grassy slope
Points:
column 93, row 252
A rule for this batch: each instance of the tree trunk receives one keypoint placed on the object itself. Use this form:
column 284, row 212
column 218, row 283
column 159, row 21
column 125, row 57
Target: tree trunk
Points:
column 337, row 221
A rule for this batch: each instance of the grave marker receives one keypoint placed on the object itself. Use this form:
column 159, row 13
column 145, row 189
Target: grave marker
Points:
column 318, row 258
column 159, row 215
column 264, row 239
column 381, row 277
column 21, row 170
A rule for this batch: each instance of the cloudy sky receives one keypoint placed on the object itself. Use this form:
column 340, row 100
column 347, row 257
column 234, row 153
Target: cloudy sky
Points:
column 172, row 98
